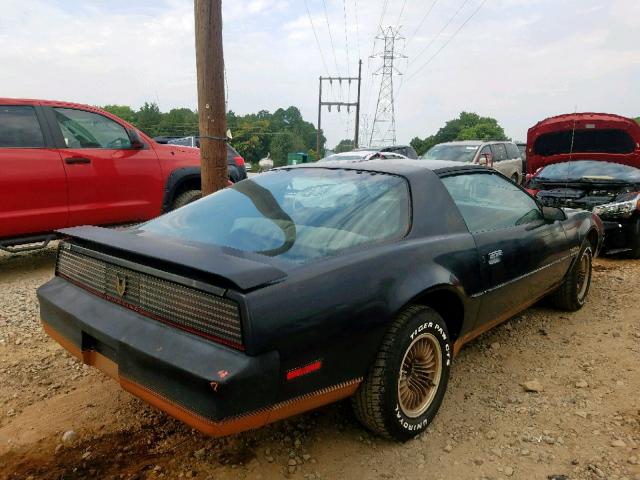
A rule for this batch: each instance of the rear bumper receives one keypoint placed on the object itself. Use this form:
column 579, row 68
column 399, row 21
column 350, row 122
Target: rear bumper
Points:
column 210, row 387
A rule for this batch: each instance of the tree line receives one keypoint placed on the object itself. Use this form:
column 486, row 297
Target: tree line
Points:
column 468, row 126
column 255, row 135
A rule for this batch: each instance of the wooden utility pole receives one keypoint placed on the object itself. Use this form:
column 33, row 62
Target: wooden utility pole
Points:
column 319, row 132
column 340, row 104
column 211, row 98
column 356, row 139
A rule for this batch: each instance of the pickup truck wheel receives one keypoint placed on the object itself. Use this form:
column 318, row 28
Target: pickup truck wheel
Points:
column 406, row 384
column 185, row 198
column 572, row 294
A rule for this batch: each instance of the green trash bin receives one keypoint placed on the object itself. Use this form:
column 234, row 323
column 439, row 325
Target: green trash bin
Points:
column 296, row 158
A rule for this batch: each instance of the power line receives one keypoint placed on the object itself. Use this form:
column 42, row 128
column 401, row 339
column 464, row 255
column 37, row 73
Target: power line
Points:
column 355, row 8
column 346, row 37
column 448, row 41
column 384, row 10
column 426, row 15
column 315, row 34
column 442, row 30
column 326, row 17
column 404, row 4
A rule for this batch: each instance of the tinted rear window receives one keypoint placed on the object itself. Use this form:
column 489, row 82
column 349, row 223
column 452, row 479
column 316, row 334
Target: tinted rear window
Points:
column 19, row 127
column 584, row 141
column 296, row 215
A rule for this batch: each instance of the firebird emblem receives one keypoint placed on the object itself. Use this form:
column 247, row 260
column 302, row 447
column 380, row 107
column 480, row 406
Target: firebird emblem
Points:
column 121, row 284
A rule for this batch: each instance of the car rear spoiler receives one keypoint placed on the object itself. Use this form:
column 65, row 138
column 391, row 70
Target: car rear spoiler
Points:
column 244, row 270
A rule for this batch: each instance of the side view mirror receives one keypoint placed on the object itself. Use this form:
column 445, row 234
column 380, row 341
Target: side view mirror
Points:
column 485, row 159
column 551, row 214
column 136, row 141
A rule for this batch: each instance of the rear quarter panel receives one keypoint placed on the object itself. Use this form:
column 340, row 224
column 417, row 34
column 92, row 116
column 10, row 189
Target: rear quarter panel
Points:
column 339, row 310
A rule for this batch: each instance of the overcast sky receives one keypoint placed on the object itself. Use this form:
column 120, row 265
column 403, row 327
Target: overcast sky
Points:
column 516, row 60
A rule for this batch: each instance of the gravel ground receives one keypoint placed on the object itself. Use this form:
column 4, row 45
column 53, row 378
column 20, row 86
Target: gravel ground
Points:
column 59, row 419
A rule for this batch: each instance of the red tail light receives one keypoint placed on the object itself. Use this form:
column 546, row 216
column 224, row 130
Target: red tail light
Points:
column 239, row 161
column 305, row 370
column 533, row 191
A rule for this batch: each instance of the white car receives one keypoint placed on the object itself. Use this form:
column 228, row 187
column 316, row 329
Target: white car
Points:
column 360, row 155
column 500, row 155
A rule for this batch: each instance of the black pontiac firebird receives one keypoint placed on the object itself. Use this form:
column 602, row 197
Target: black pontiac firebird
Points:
column 310, row 284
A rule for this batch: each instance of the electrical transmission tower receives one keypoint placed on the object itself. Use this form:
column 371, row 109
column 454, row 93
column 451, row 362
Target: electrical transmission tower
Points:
column 383, row 130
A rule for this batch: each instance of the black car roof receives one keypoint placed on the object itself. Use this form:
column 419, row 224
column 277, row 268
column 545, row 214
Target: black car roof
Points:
column 396, row 167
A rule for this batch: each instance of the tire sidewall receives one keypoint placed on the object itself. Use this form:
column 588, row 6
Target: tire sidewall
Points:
column 581, row 301
column 186, row 198
column 425, row 321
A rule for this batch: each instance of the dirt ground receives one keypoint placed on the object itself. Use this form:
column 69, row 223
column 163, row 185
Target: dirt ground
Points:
column 583, row 424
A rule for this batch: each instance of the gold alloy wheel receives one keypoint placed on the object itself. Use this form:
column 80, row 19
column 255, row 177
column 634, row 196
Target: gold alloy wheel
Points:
column 583, row 275
column 420, row 373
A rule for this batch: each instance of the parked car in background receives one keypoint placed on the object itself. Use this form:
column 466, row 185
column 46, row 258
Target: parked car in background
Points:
column 522, row 146
column 361, row 155
column 236, row 167
column 502, row 156
column 404, row 150
column 591, row 161
column 240, row 309
column 407, row 151
column 574, row 136
column 65, row 164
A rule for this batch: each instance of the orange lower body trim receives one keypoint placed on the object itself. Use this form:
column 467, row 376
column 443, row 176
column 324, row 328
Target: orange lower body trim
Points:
column 458, row 344
column 241, row 423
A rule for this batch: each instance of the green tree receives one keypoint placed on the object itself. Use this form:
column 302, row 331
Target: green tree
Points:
column 148, row 119
column 254, row 134
column 179, row 121
column 283, row 143
column 468, row 126
column 345, row 145
column 125, row 112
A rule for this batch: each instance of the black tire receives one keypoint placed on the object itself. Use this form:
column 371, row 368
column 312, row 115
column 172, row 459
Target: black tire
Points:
column 233, row 173
column 573, row 292
column 185, row 198
column 377, row 403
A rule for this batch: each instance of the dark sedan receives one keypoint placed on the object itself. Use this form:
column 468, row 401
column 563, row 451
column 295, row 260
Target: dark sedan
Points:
column 310, row 284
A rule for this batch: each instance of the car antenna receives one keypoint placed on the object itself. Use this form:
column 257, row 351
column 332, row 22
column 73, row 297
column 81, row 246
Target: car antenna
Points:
column 573, row 137
column 573, row 132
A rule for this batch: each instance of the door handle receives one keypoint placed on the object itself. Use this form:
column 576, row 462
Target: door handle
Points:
column 76, row 160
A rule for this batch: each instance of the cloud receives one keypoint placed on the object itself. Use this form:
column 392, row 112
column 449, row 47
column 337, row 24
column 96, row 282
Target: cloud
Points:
column 517, row 60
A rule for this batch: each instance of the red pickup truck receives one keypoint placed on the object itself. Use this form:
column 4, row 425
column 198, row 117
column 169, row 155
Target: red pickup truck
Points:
column 64, row 164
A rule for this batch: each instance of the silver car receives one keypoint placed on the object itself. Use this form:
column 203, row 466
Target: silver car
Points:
column 361, row 155
column 502, row 156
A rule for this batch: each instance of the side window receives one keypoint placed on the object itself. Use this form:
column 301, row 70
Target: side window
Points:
column 82, row 129
column 490, row 202
column 499, row 152
column 512, row 150
column 19, row 127
column 484, row 151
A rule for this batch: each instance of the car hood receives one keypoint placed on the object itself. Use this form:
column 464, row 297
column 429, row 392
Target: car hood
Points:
column 611, row 138
column 241, row 270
